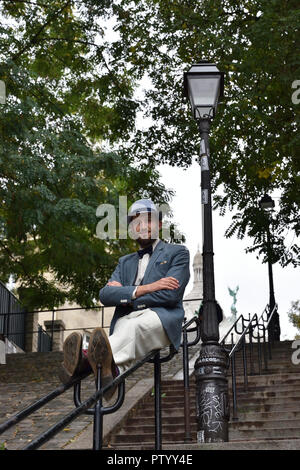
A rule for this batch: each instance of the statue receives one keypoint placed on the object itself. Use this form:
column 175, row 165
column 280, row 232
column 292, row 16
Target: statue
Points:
column 233, row 309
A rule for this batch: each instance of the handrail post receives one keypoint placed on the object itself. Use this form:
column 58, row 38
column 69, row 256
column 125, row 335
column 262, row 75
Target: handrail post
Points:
column 187, row 423
column 9, row 316
column 52, row 330
column 102, row 317
column 157, row 400
column 265, row 348
column 233, row 377
column 98, row 416
column 269, row 345
column 258, row 351
column 251, row 350
column 245, row 366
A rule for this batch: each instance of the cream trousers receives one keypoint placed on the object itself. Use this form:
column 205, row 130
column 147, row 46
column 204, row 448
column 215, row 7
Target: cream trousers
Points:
column 135, row 335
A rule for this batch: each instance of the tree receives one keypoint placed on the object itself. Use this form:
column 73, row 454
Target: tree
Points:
column 294, row 314
column 65, row 113
column 74, row 69
column 255, row 137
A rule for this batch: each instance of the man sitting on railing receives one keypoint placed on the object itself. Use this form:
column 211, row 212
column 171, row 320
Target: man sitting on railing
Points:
column 147, row 289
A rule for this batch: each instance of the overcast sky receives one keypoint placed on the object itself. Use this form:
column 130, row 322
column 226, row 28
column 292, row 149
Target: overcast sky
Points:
column 233, row 267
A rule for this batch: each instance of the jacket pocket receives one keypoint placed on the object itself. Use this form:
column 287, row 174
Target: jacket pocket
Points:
column 161, row 266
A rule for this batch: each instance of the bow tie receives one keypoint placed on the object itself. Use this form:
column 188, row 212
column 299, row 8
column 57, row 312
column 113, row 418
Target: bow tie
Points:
column 142, row 252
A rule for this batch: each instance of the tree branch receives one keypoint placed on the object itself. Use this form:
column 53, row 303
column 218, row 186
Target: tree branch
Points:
column 41, row 29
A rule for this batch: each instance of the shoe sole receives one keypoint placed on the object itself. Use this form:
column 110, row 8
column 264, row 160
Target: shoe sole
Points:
column 100, row 354
column 72, row 349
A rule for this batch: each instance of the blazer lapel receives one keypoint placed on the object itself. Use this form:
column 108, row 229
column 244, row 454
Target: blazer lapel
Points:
column 132, row 268
column 153, row 257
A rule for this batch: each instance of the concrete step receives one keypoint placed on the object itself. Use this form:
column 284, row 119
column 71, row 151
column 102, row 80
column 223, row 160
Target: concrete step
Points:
column 167, row 428
column 167, row 405
column 280, row 388
column 148, row 438
column 281, row 401
column 171, row 425
column 252, row 392
column 274, row 370
column 177, row 416
column 242, row 400
column 270, row 393
column 256, row 380
column 270, row 444
column 271, row 379
column 150, row 420
column 277, row 357
column 263, row 424
column 270, row 433
column 267, row 407
column 287, row 414
column 268, row 412
column 234, row 435
column 263, row 419
column 166, row 411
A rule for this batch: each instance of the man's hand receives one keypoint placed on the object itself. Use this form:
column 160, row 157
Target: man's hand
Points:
column 114, row 283
column 163, row 283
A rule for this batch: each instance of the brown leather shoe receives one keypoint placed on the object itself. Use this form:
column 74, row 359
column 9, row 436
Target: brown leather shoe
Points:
column 100, row 354
column 74, row 363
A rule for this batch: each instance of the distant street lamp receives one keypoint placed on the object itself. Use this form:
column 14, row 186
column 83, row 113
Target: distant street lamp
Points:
column 203, row 85
column 267, row 205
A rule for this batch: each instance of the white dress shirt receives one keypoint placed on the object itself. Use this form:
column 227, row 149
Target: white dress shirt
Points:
column 143, row 263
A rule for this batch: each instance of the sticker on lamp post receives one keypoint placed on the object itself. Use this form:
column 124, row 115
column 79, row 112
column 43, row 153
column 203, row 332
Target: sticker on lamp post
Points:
column 204, row 196
column 2, row 92
column 204, row 163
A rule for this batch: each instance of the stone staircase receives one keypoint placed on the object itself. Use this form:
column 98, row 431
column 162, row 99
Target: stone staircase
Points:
column 26, row 377
column 268, row 413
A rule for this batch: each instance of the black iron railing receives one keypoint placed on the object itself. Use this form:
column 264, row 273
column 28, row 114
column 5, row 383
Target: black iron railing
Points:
column 252, row 330
column 98, row 410
column 44, row 340
column 15, row 322
column 12, row 317
column 255, row 357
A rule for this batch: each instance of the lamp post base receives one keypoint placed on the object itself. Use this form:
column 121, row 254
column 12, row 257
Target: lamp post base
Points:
column 212, row 393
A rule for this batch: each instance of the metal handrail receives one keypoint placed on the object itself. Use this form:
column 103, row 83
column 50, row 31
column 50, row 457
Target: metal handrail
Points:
column 85, row 406
column 98, row 411
column 234, row 327
column 255, row 322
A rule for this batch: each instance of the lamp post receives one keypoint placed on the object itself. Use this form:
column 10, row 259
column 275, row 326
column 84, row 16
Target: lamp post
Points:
column 267, row 205
column 203, row 85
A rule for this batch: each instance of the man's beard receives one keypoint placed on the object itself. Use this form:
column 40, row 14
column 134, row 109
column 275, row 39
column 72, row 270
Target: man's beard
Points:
column 147, row 237
column 143, row 242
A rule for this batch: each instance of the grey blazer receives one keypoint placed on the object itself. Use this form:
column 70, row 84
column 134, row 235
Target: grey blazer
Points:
column 166, row 260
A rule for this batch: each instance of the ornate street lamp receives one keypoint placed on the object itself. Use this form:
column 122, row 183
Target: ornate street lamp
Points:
column 267, row 205
column 204, row 85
